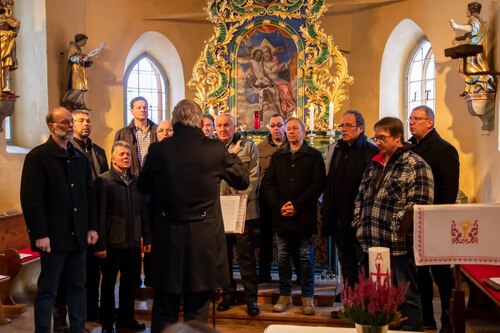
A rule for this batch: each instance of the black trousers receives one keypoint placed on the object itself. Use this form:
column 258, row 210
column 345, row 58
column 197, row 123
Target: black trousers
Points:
column 349, row 251
column 166, row 308
column 443, row 276
column 128, row 263
column 265, row 239
column 93, row 280
column 52, row 264
column 246, row 261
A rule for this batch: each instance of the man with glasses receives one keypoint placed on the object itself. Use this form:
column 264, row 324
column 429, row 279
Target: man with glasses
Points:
column 274, row 141
column 395, row 180
column 139, row 134
column 345, row 163
column 59, row 206
column 164, row 130
column 443, row 159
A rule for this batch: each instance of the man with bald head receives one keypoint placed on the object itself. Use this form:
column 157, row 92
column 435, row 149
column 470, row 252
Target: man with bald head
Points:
column 246, row 150
column 164, row 130
column 58, row 202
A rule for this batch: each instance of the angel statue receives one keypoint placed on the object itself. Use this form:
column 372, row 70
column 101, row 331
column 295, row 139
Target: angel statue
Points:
column 9, row 27
column 77, row 77
column 476, row 31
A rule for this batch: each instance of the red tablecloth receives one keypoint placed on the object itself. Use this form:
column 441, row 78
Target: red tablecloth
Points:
column 481, row 272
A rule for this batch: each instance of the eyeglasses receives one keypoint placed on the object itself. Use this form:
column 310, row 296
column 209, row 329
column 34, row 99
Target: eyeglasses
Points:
column 417, row 118
column 348, row 126
column 65, row 123
column 381, row 138
column 279, row 125
column 166, row 130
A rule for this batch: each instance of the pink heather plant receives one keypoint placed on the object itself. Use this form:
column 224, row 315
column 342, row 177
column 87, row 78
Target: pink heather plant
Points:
column 373, row 303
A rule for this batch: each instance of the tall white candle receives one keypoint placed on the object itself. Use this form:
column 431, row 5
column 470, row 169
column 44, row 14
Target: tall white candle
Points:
column 211, row 110
column 330, row 116
column 311, row 117
column 379, row 261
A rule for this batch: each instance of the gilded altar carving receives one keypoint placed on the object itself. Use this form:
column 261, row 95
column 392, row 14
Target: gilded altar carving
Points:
column 270, row 56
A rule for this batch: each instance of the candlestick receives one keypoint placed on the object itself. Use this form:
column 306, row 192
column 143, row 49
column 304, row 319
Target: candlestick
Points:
column 330, row 116
column 311, row 117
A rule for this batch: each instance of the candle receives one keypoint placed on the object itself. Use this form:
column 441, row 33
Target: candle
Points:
column 211, row 110
column 330, row 116
column 311, row 117
column 379, row 261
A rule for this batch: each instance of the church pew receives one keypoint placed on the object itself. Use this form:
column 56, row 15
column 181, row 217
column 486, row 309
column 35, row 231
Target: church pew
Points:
column 14, row 253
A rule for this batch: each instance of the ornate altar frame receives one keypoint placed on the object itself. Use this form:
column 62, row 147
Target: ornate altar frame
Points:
column 321, row 72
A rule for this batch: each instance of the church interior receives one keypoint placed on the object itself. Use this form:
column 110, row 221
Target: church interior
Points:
column 379, row 39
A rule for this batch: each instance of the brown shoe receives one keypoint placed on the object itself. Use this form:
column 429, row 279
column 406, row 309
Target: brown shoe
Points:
column 307, row 306
column 283, row 303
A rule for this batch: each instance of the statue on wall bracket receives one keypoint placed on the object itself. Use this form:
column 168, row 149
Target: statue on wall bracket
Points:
column 9, row 27
column 78, row 62
column 267, row 57
column 480, row 85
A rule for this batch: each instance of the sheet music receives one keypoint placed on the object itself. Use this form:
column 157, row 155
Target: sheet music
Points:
column 233, row 212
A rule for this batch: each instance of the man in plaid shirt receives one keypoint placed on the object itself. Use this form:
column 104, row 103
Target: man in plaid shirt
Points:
column 394, row 181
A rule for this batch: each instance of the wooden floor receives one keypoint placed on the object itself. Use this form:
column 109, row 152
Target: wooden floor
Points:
column 237, row 320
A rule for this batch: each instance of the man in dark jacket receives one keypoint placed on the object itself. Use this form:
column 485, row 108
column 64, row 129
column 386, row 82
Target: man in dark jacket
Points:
column 442, row 157
column 139, row 134
column 58, row 201
column 274, row 141
column 124, row 221
column 189, row 244
column 99, row 164
column 293, row 184
column 346, row 161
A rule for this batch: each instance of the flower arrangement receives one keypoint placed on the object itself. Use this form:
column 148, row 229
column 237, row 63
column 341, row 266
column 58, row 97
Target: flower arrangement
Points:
column 373, row 303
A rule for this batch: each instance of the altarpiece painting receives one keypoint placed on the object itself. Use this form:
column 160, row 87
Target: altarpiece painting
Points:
column 267, row 57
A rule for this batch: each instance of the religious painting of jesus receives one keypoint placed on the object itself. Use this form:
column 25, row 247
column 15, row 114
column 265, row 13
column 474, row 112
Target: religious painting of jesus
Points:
column 266, row 76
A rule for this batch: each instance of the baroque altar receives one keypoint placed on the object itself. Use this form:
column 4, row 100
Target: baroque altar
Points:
column 267, row 57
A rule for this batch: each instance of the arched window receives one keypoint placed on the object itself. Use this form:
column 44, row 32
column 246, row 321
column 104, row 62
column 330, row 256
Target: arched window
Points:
column 420, row 77
column 146, row 78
